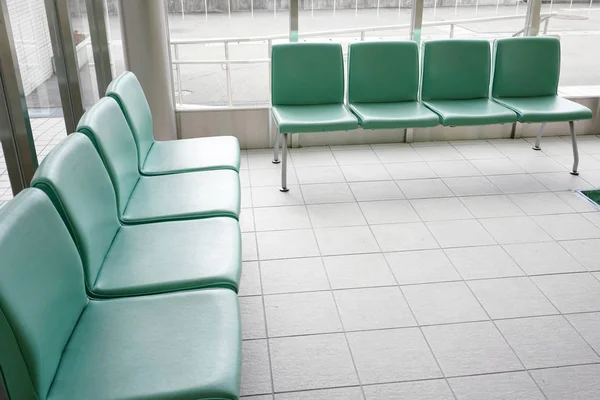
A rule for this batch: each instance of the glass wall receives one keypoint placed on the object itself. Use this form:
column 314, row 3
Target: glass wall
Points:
column 206, row 34
column 31, row 37
column 200, row 30
column 38, row 70
column 578, row 26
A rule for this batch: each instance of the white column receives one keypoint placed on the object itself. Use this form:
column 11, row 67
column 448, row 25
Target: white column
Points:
column 145, row 35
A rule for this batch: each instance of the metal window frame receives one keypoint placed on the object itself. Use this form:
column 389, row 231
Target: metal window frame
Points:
column 15, row 129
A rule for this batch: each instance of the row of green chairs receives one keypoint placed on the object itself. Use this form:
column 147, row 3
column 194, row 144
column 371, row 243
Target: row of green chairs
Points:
column 460, row 84
column 119, row 276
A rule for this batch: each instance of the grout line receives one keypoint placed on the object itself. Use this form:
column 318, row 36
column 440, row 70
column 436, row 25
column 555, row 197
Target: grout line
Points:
column 332, row 295
column 410, row 307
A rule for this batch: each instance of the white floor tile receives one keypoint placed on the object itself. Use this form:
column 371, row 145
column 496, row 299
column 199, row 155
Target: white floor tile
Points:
column 370, row 191
column 336, row 214
column 483, row 262
column 443, row 209
column 424, row 188
column 515, row 230
column 399, row 237
column 410, row 170
column 388, row 212
column 491, row 206
column 460, row 233
column 347, row 240
column 327, row 193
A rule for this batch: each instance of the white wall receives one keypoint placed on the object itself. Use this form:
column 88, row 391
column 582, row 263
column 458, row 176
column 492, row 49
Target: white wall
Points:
column 32, row 41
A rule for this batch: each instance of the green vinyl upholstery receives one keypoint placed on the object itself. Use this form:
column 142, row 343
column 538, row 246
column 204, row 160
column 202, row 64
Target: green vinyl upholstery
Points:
column 383, row 80
column 143, row 199
column 307, row 88
column 41, row 293
column 455, row 83
column 471, row 112
column 58, row 344
column 545, row 109
column 133, row 259
column 184, row 345
column 313, row 118
column 174, row 156
column 529, row 86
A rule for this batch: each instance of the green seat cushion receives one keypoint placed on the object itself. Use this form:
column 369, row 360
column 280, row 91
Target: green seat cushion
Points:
column 42, row 293
column 307, row 74
column 184, row 196
column 383, row 72
column 314, row 118
column 155, row 198
column 545, row 109
column 169, row 256
column 456, row 69
column 471, row 112
column 138, row 259
column 174, row 156
column 75, row 191
column 406, row 114
column 198, row 154
column 535, row 74
column 529, row 86
column 184, row 345
column 126, row 90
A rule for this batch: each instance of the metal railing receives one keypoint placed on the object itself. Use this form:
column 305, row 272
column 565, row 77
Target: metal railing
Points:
column 227, row 61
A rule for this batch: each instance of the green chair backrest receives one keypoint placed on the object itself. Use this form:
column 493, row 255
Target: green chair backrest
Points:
column 526, row 67
column 455, row 70
column 307, row 74
column 75, row 179
column 383, row 72
column 41, row 293
column 106, row 126
column 128, row 92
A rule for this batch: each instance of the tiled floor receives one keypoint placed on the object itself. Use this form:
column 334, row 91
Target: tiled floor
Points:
column 428, row 271
column 47, row 133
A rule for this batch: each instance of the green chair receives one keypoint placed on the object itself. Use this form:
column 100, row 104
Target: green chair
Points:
column 307, row 93
column 55, row 343
column 455, row 83
column 143, row 199
column 383, row 85
column 173, row 156
column 526, row 72
column 130, row 260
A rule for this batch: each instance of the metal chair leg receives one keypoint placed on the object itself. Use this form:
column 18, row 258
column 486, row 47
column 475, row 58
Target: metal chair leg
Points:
column 284, row 187
column 276, row 150
column 575, row 150
column 539, row 137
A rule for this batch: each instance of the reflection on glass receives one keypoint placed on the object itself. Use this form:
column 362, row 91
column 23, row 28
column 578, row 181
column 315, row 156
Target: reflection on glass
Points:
column 36, row 64
column 84, row 52
column 113, row 33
